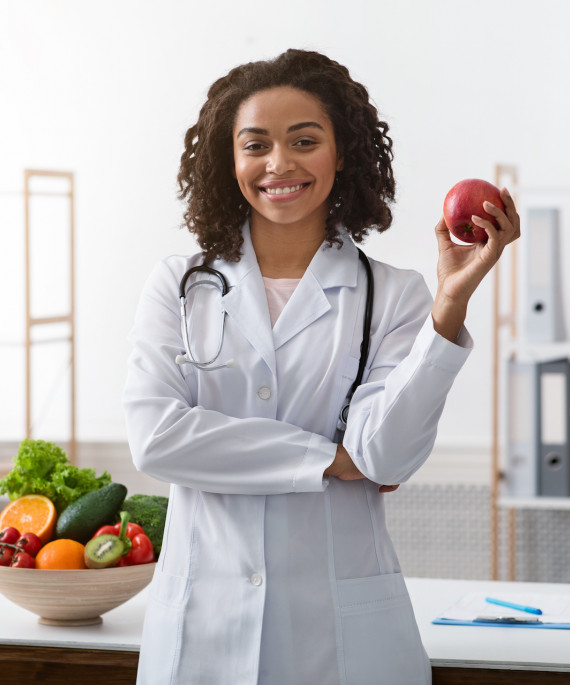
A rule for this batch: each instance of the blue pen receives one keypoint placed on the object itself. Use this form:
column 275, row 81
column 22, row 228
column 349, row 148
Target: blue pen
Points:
column 511, row 605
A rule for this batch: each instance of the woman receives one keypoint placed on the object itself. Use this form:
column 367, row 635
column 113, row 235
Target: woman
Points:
column 277, row 567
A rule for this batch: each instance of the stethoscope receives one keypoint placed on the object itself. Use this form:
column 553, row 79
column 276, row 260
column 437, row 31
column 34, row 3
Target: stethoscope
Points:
column 222, row 285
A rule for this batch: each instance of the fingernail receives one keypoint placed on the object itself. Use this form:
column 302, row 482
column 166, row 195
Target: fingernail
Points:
column 505, row 190
column 488, row 205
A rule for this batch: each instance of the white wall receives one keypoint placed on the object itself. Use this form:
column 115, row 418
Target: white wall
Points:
column 108, row 89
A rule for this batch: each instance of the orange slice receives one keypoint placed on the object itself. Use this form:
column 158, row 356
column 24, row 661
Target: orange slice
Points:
column 61, row 554
column 30, row 514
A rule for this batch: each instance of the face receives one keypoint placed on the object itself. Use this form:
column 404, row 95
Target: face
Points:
column 285, row 158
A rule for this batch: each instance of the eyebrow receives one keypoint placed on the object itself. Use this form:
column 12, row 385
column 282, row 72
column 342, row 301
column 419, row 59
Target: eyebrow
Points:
column 291, row 129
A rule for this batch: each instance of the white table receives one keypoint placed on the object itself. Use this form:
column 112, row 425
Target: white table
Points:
column 480, row 654
column 108, row 653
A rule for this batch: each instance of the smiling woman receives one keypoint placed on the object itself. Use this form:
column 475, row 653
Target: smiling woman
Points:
column 276, row 566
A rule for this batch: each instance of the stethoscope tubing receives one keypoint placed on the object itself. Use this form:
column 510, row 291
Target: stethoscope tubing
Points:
column 224, row 288
column 365, row 344
column 202, row 268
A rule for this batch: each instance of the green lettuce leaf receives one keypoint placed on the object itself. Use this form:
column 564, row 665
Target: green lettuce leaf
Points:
column 42, row 468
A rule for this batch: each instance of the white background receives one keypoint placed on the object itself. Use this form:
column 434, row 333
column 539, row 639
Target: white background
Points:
column 108, row 89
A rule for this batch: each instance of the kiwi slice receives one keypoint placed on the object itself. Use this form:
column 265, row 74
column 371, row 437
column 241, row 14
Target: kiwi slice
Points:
column 103, row 551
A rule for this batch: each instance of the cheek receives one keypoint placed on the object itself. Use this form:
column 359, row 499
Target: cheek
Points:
column 246, row 170
column 240, row 175
column 325, row 168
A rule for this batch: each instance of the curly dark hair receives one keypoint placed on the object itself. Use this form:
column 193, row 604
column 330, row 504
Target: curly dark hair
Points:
column 363, row 190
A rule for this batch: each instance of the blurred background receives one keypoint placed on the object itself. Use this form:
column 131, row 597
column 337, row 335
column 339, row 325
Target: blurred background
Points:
column 107, row 90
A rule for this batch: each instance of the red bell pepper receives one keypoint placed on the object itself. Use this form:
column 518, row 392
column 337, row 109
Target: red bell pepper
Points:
column 132, row 530
column 141, row 552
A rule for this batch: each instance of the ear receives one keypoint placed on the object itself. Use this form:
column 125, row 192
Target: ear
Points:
column 339, row 162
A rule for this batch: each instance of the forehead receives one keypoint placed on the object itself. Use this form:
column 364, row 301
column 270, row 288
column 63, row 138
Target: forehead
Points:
column 280, row 107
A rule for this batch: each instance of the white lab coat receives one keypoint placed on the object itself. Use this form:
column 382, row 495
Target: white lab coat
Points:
column 270, row 574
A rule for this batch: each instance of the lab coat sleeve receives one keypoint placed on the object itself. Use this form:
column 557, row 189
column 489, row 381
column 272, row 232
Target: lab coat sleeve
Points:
column 174, row 440
column 393, row 417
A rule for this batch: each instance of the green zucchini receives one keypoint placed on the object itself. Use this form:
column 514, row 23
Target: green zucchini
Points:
column 82, row 518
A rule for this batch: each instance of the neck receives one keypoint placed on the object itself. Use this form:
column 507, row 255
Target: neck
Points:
column 284, row 251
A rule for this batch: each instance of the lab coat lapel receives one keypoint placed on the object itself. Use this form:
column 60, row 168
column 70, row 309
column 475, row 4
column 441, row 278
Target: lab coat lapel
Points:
column 329, row 268
column 246, row 302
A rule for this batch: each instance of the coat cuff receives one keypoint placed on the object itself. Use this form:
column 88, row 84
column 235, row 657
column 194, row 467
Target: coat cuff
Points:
column 437, row 350
column 320, row 454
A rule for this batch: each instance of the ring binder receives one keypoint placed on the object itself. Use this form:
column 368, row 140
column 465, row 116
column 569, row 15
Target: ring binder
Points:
column 521, row 472
column 554, row 465
column 543, row 312
column 538, row 430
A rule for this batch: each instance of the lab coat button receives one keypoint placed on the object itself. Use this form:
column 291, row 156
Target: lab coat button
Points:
column 255, row 579
column 264, row 393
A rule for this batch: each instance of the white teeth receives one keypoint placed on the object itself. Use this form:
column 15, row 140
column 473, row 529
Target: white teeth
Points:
column 282, row 190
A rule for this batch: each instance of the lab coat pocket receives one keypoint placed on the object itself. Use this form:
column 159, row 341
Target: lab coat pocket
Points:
column 162, row 631
column 381, row 640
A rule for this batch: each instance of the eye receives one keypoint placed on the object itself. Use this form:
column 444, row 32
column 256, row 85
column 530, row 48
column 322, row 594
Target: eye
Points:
column 254, row 147
column 305, row 142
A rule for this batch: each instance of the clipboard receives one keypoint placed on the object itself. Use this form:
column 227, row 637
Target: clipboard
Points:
column 473, row 609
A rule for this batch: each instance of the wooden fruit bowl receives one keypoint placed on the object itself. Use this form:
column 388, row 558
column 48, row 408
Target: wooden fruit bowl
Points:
column 73, row 598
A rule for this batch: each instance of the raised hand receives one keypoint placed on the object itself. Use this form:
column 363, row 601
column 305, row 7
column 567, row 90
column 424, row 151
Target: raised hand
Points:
column 461, row 268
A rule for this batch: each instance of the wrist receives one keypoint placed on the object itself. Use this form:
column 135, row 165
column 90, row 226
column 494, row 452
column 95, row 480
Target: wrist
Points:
column 332, row 469
column 448, row 316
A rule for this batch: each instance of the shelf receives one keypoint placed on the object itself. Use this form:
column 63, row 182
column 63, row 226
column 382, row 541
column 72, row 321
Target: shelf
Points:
column 526, row 351
column 538, row 502
column 59, row 328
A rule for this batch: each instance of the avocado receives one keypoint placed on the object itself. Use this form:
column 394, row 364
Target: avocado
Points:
column 82, row 518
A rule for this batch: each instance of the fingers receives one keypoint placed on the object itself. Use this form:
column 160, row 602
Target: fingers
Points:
column 508, row 220
column 442, row 233
column 388, row 488
column 511, row 212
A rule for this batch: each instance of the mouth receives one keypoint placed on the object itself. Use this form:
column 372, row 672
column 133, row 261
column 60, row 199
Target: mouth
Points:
column 283, row 190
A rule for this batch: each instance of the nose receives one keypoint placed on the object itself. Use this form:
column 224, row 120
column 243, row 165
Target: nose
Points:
column 280, row 160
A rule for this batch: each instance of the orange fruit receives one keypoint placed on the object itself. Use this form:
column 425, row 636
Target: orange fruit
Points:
column 61, row 554
column 30, row 514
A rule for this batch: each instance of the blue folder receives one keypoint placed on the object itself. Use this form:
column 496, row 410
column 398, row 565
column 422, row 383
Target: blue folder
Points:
column 500, row 624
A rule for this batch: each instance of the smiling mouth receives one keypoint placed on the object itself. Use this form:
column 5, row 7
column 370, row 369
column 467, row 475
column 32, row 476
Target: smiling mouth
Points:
column 284, row 190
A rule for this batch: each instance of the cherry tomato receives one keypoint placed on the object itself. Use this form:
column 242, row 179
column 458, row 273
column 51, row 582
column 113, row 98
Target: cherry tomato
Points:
column 132, row 530
column 141, row 551
column 6, row 554
column 30, row 543
column 9, row 535
column 23, row 560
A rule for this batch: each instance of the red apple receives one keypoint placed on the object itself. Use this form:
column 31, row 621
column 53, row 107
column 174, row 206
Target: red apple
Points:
column 463, row 201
